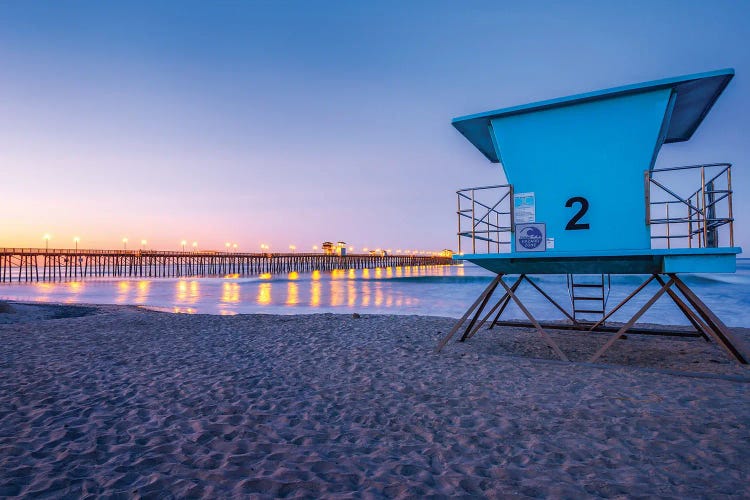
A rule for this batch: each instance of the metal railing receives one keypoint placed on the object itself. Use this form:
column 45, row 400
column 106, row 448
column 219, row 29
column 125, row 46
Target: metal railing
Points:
column 485, row 218
column 700, row 218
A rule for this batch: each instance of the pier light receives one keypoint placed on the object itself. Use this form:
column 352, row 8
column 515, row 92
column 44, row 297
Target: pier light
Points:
column 143, row 244
column 292, row 248
column 76, row 240
column 234, row 247
column 315, row 248
column 227, row 244
column 183, row 243
column 195, row 246
column 351, row 249
column 124, row 243
column 364, row 249
column 46, row 238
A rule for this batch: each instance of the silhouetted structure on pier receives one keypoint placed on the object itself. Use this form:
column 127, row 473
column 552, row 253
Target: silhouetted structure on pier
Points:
column 32, row 264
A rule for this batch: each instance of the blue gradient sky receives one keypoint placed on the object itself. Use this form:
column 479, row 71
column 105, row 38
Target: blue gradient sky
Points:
column 297, row 122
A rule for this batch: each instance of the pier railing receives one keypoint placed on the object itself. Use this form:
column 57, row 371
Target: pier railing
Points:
column 682, row 216
column 40, row 264
column 485, row 216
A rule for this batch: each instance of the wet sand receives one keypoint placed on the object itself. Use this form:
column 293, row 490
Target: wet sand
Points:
column 119, row 400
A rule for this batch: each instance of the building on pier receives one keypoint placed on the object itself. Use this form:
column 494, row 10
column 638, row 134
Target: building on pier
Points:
column 331, row 248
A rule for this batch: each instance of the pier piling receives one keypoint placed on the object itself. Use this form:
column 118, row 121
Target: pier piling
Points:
column 49, row 265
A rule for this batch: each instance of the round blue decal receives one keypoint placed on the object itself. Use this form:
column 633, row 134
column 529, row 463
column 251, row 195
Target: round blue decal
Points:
column 530, row 238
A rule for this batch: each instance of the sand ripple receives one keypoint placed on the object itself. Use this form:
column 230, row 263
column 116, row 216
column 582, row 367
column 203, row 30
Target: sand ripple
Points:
column 138, row 403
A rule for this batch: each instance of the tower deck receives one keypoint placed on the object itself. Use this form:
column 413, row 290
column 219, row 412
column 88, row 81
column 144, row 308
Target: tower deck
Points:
column 653, row 261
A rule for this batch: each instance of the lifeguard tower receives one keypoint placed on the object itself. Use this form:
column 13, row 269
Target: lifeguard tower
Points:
column 583, row 198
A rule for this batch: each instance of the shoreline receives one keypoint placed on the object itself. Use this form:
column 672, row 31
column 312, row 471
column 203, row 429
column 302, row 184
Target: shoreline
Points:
column 442, row 291
column 123, row 400
column 533, row 346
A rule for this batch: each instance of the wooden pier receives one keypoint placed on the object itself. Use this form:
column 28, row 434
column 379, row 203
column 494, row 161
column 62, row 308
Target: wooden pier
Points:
column 39, row 264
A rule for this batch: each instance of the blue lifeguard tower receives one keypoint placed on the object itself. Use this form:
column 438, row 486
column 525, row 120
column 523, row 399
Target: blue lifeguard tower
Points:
column 583, row 198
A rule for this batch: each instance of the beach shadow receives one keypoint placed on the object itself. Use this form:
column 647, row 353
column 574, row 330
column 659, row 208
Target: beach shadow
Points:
column 13, row 313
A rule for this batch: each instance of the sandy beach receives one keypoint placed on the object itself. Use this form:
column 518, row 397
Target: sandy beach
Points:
column 117, row 400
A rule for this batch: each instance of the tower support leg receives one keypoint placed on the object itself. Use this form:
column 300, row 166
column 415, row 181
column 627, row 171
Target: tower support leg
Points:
column 720, row 332
column 504, row 300
column 624, row 301
column 632, row 321
column 697, row 323
column 551, row 300
column 536, row 324
column 483, row 298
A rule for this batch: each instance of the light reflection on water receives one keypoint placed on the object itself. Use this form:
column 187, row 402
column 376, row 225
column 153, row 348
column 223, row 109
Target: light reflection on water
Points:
column 292, row 294
column 431, row 290
column 395, row 289
column 264, row 294
column 230, row 292
column 144, row 286
column 123, row 291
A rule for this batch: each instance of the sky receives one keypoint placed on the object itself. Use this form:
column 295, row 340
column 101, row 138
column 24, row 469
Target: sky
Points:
column 290, row 123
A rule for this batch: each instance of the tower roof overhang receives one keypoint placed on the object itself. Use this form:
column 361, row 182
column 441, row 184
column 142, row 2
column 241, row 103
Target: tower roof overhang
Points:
column 694, row 96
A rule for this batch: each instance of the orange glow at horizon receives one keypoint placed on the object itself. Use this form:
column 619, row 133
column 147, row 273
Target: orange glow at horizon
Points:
column 135, row 230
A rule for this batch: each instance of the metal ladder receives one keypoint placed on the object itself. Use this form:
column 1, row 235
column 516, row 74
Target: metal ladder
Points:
column 588, row 295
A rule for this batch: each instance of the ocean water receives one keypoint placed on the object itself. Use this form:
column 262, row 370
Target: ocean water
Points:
column 428, row 290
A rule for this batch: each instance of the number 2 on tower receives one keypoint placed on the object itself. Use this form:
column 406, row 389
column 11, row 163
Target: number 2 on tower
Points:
column 573, row 224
